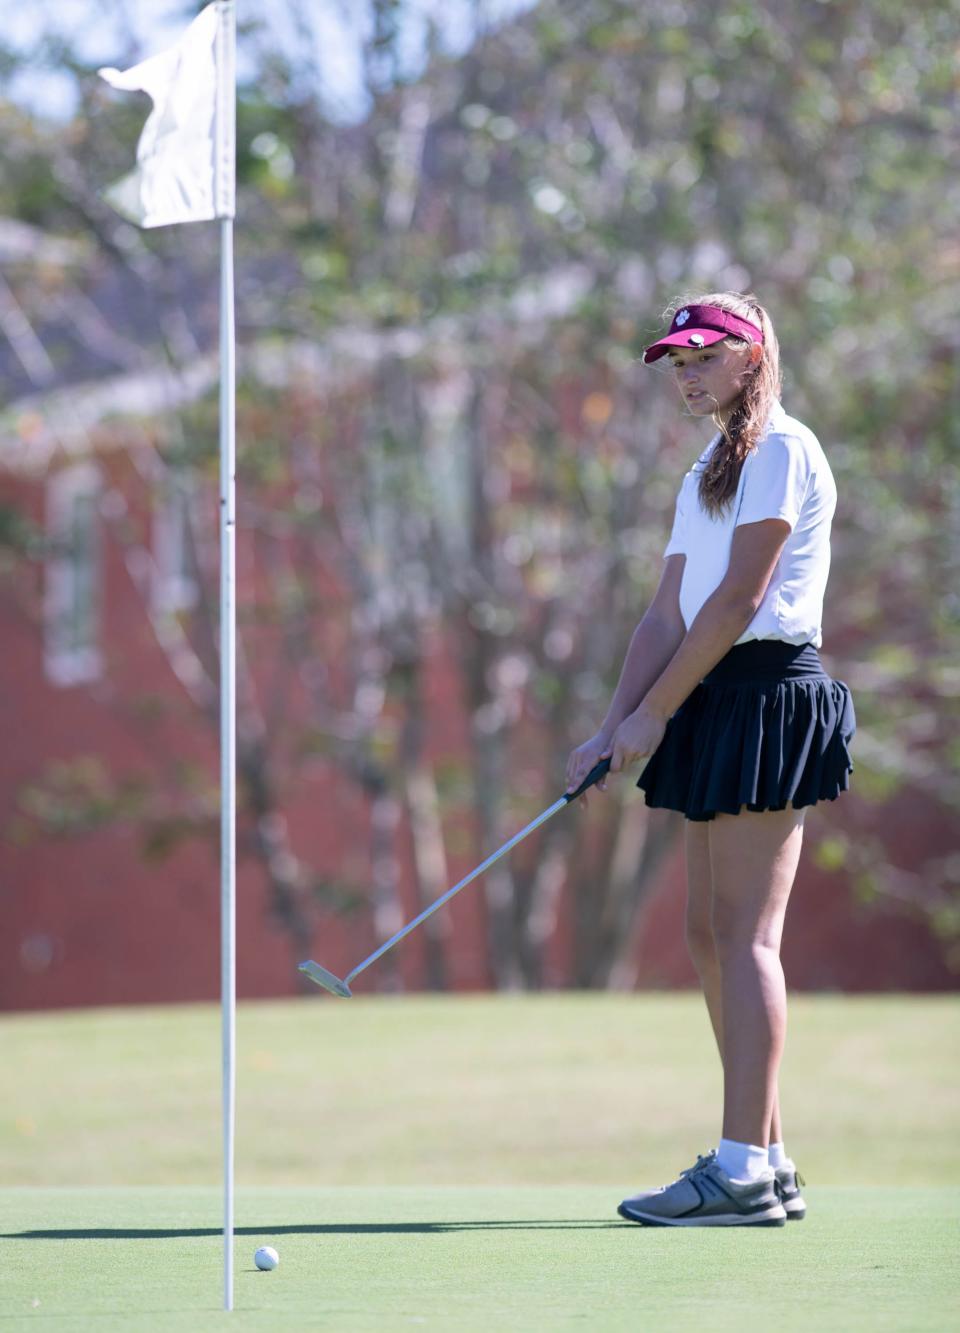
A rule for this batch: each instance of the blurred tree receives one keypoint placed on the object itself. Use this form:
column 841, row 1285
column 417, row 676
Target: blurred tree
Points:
column 441, row 309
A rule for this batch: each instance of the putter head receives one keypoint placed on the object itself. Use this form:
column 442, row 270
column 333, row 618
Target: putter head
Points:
column 325, row 979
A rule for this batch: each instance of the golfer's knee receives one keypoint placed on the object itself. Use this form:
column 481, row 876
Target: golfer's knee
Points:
column 739, row 948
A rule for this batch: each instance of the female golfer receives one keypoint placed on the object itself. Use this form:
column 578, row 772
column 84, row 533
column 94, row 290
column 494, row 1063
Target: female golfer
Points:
column 723, row 694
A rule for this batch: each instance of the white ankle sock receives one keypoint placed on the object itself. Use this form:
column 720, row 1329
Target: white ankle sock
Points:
column 741, row 1161
column 777, row 1157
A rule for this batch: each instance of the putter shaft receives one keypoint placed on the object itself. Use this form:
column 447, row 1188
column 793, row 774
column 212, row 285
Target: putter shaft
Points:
column 468, row 879
column 337, row 987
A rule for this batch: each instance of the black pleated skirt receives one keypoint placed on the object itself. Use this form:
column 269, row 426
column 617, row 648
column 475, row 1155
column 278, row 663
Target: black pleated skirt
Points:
column 767, row 728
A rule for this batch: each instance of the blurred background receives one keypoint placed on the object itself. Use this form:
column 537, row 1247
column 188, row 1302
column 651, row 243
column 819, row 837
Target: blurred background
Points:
column 458, row 223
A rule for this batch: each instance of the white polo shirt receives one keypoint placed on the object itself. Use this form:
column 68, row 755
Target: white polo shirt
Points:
column 786, row 477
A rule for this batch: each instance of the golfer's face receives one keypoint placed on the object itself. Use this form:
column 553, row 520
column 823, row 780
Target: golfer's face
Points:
column 711, row 379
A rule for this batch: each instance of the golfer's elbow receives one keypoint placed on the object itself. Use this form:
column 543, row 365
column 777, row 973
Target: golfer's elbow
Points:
column 656, row 639
column 737, row 604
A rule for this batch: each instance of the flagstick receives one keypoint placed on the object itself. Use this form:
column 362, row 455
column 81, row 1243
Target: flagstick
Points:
column 228, row 740
column 163, row 190
column 226, row 102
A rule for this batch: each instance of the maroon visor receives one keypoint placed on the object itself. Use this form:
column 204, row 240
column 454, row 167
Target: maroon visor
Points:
column 699, row 326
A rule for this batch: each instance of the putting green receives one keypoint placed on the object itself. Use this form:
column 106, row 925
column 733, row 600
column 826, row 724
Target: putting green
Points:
column 469, row 1259
column 455, row 1163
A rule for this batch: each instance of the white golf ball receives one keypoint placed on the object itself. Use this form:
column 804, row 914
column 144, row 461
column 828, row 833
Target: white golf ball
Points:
column 266, row 1258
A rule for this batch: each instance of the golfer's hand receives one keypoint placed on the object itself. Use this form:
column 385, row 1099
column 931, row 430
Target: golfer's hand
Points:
column 584, row 758
column 636, row 738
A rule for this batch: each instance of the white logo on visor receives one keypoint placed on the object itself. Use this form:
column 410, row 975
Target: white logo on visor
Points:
column 682, row 317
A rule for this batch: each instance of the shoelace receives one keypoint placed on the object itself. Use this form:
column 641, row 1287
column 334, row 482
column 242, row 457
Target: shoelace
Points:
column 703, row 1160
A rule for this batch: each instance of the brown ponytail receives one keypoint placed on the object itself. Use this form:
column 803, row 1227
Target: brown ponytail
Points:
column 742, row 434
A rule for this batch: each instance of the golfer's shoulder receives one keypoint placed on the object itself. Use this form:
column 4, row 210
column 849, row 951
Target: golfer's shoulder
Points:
column 789, row 443
column 789, row 432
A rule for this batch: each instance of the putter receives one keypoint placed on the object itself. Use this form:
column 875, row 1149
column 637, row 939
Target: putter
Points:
column 337, row 987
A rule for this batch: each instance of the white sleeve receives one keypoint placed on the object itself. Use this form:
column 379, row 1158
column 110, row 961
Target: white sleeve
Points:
column 776, row 482
column 677, row 545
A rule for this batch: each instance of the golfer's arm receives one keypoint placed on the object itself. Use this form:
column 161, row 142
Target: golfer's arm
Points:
column 654, row 642
column 726, row 613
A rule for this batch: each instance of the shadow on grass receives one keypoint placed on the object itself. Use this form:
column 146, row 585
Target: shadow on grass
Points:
column 312, row 1229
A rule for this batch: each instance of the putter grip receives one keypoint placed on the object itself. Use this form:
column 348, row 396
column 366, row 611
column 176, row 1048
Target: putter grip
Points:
column 596, row 773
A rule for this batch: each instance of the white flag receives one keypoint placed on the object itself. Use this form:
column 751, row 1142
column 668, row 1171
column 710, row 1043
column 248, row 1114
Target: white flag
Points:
column 185, row 157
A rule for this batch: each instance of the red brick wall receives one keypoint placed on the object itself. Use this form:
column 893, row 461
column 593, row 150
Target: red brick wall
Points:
column 86, row 920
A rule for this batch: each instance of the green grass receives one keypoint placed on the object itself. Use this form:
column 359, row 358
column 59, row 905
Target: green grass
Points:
column 519, row 1259
column 439, row 1164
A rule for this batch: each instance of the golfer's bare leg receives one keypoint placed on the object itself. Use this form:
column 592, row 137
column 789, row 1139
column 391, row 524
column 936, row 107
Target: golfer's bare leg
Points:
column 700, row 942
column 753, row 861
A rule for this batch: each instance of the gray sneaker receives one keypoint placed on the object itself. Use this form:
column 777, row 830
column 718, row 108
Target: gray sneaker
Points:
column 789, row 1181
column 705, row 1196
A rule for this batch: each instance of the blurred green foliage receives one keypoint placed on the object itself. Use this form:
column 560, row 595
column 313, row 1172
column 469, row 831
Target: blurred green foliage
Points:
column 520, row 216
